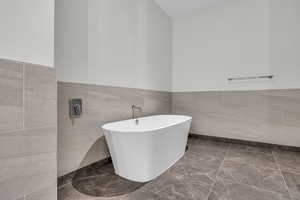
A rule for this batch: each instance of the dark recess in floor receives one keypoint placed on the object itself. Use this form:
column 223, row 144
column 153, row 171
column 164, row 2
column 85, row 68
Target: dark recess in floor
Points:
column 101, row 181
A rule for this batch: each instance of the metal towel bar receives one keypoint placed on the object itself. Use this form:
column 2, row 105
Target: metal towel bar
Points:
column 251, row 78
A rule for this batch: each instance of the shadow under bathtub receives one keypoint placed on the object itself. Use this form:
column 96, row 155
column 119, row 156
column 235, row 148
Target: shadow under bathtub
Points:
column 99, row 180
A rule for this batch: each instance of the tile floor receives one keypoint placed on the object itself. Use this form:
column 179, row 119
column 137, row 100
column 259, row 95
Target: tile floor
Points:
column 209, row 171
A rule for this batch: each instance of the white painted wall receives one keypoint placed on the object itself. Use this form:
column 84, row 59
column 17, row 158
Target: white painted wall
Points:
column 237, row 38
column 285, row 43
column 156, row 72
column 26, row 31
column 71, row 40
column 114, row 42
column 117, row 43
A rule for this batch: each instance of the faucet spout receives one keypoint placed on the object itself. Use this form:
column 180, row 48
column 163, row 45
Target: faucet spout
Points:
column 133, row 108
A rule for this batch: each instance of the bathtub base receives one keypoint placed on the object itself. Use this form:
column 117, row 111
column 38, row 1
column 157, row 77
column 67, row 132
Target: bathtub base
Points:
column 144, row 180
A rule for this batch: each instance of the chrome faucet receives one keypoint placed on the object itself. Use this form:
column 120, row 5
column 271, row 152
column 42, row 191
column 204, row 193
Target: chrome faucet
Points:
column 133, row 108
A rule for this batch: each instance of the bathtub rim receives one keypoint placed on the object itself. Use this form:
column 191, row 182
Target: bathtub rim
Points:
column 104, row 127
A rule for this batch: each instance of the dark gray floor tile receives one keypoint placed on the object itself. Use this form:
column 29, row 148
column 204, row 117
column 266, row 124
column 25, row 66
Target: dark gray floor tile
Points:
column 250, row 148
column 68, row 193
column 265, row 178
column 144, row 195
column 105, row 185
column 108, row 167
column 226, row 190
column 207, row 147
column 193, row 163
column 247, row 173
column 254, row 157
column 293, row 183
column 288, row 160
column 65, row 179
column 180, row 187
column 86, row 172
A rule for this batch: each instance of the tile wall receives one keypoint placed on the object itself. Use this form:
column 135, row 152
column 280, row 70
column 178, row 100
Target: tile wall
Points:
column 270, row 116
column 28, row 131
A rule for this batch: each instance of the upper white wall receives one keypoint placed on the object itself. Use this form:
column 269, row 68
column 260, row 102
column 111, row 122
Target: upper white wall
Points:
column 156, row 72
column 123, row 43
column 238, row 38
column 113, row 34
column 285, row 43
column 27, row 30
column 71, row 40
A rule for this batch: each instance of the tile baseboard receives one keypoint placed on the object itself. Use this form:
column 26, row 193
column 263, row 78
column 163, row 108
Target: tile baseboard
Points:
column 245, row 142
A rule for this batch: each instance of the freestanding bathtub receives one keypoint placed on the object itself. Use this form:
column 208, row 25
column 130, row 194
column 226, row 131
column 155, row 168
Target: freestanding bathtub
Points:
column 142, row 152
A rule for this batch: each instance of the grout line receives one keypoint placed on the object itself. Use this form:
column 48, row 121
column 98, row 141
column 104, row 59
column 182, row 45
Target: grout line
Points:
column 279, row 168
column 252, row 186
column 27, row 129
column 42, row 188
column 222, row 163
column 290, row 172
column 22, row 197
column 23, row 93
column 29, row 155
column 59, row 187
column 256, row 188
column 218, row 171
column 11, row 131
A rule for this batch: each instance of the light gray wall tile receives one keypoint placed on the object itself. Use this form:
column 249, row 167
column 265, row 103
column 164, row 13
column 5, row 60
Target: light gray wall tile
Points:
column 39, row 112
column 39, row 81
column 40, row 96
column 11, row 98
column 28, row 142
column 48, row 193
column 28, row 160
column 156, row 102
column 82, row 142
column 270, row 116
column 25, row 175
column 77, row 139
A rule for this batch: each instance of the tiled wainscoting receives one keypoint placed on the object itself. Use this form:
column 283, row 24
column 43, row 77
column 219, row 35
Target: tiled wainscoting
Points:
column 269, row 116
column 28, row 133
column 81, row 142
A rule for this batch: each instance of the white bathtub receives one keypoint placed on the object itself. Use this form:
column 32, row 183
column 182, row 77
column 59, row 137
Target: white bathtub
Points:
column 142, row 152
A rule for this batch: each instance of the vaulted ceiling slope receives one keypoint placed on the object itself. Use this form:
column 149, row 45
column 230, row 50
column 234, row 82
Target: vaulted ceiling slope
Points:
column 180, row 8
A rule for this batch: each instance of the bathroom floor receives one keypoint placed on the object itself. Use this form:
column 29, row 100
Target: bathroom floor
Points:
column 209, row 170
